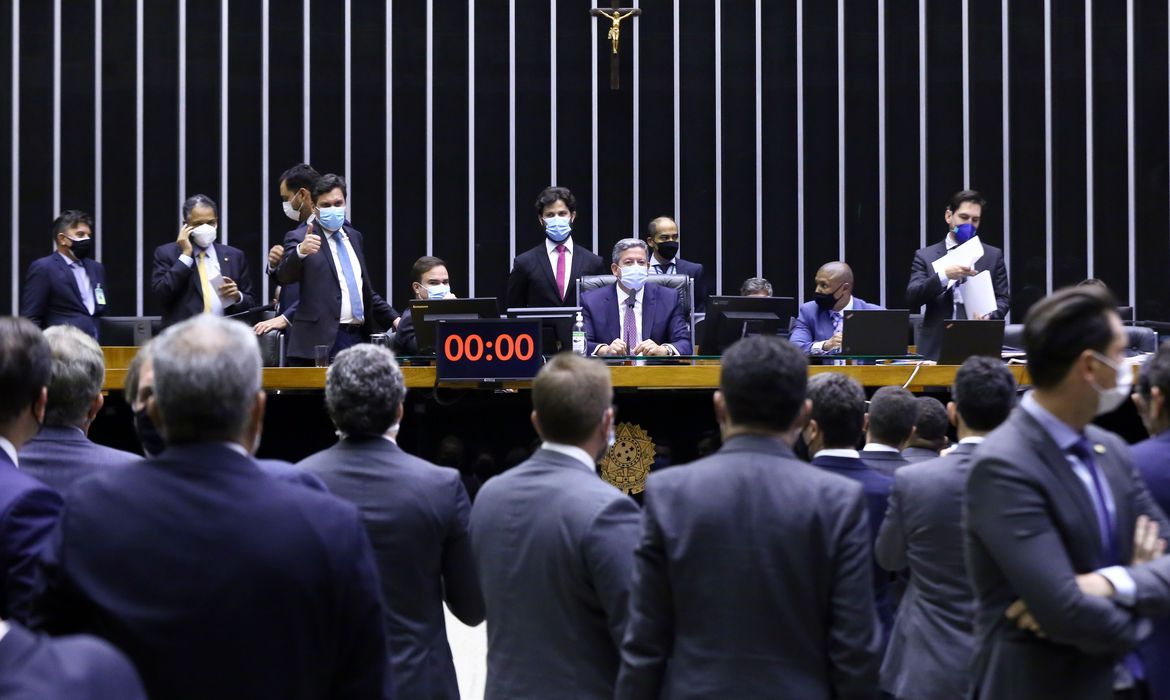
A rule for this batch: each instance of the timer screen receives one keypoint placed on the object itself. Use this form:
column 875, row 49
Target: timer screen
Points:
column 488, row 349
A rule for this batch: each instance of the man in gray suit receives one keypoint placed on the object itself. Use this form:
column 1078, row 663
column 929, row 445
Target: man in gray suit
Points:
column 929, row 655
column 554, row 546
column 62, row 452
column 416, row 515
column 1053, row 507
column 753, row 576
column 892, row 414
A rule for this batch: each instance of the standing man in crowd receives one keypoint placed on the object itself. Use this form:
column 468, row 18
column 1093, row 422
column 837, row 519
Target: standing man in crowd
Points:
column 663, row 238
column 942, row 292
column 296, row 200
column 546, row 275
column 66, row 287
column 893, row 411
column 194, row 275
column 930, row 431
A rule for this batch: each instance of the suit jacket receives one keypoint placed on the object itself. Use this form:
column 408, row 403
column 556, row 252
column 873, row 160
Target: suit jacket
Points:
column 876, row 485
column 693, row 270
column 662, row 317
column 35, row 667
column 780, row 609
column 814, row 324
column 50, row 296
column 219, row 581
column 914, row 455
column 930, row 651
column 532, row 282
column 318, row 312
column 1031, row 528
column 291, row 473
column 925, row 289
column 554, row 546
column 414, row 512
column 28, row 514
column 405, row 340
column 60, row 455
column 1152, row 459
column 883, row 461
column 177, row 285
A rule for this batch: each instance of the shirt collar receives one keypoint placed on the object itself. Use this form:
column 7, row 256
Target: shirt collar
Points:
column 878, row 447
column 70, row 262
column 570, row 451
column 622, row 296
column 972, row 440
column 847, row 307
column 551, row 246
column 210, row 250
column 837, row 452
column 235, row 447
column 1060, row 432
column 9, row 449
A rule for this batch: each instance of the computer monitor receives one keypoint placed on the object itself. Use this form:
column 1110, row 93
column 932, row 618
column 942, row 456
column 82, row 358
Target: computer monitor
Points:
column 556, row 323
column 962, row 339
column 731, row 318
column 424, row 313
column 877, row 332
column 128, row 330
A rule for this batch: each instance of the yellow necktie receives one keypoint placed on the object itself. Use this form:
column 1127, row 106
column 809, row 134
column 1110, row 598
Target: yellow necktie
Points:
column 204, row 283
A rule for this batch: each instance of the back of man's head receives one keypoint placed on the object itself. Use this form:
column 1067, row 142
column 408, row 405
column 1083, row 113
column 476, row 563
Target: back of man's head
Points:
column 76, row 381
column 984, row 393
column 570, row 396
column 763, row 380
column 25, row 367
column 892, row 414
column 1061, row 326
column 206, row 379
column 838, row 407
column 930, row 429
column 364, row 390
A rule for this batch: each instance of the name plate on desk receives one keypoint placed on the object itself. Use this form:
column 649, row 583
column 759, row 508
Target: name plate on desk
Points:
column 487, row 350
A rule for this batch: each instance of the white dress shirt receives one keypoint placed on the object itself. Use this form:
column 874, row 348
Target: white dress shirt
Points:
column 9, row 449
column 211, row 265
column 878, row 447
column 570, row 451
column 818, row 348
column 838, row 452
column 950, row 283
column 346, row 305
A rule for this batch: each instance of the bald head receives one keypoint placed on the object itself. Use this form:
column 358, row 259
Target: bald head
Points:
column 836, row 271
column 835, row 280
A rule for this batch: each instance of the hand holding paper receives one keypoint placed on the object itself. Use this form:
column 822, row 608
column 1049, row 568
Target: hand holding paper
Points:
column 979, row 296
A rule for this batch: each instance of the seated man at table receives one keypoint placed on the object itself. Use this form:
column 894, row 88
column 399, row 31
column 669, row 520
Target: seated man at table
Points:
column 633, row 317
column 755, row 287
column 819, row 323
column 429, row 280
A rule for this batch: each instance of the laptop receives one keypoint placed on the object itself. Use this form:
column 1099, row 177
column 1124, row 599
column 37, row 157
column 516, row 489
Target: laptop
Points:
column 962, row 339
column 875, row 332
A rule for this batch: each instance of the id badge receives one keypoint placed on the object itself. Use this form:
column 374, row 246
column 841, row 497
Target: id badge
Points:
column 99, row 295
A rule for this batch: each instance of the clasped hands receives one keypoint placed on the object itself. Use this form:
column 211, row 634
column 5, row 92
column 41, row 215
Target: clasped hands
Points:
column 619, row 347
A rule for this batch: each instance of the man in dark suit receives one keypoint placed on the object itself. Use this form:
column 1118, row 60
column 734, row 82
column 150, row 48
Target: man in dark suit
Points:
column 66, row 287
column 663, row 239
column 194, row 275
column 753, row 576
column 338, row 306
column 1053, row 509
column 546, row 275
column 942, row 292
column 217, row 580
column 296, row 199
column 634, row 317
column 28, row 509
column 836, row 423
column 892, row 414
column 415, row 513
column 554, row 545
column 1152, row 459
column 929, row 654
column 429, row 280
column 930, row 431
column 820, row 321
column 33, row 666
column 62, row 452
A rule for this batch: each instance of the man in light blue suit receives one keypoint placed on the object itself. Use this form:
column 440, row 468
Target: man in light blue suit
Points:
column 62, row 452
column 819, row 323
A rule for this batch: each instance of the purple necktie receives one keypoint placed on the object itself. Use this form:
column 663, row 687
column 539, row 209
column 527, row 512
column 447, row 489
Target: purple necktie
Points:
column 561, row 270
column 630, row 326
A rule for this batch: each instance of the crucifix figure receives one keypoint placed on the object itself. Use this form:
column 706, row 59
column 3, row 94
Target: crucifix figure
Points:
column 615, row 16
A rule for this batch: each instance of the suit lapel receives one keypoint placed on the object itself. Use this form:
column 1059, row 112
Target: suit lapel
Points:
column 70, row 280
column 648, row 302
column 610, row 299
column 1121, row 486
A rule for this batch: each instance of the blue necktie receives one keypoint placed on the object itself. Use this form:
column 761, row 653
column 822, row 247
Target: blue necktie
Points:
column 355, row 294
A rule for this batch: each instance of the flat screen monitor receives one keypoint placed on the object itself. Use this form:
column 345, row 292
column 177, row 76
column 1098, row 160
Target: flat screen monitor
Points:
column 731, row 318
column 425, row 313
column 556, row 324
column 878, row 332
column 128, row 330
column 962, row 339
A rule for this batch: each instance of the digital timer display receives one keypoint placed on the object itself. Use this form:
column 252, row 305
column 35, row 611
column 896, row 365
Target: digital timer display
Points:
column 488, row 349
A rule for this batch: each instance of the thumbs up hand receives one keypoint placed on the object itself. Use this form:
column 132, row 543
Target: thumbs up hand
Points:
column 311, row 244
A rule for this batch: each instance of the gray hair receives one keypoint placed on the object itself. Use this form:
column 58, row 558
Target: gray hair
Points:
column 76, row 380
column 363, row 389
column 628, row 243
column 754, row 285
column 206, row 377
column 198, row 200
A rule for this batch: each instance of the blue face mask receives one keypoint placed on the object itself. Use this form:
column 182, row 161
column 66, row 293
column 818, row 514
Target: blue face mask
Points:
column 557, row 228
column 634, row 276
column 965, row 232
column 332, row 218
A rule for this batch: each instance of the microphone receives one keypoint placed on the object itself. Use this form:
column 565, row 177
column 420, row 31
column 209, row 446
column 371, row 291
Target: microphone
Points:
column 253, row 310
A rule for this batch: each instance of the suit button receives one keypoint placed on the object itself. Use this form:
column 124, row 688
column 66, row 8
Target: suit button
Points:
column 339, row 297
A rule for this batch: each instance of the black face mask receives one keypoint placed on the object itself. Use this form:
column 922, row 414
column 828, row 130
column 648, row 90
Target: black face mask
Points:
column 152, row 442
column 826, row 300
column 81, row 249
column 667, row 249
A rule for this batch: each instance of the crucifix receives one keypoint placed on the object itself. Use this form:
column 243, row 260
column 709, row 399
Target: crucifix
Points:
column 615, row 16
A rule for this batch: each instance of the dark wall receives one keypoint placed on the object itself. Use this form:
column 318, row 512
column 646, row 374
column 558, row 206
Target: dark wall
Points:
column 1041, row 208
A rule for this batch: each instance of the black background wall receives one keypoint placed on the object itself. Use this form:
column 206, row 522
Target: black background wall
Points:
column 452, row 133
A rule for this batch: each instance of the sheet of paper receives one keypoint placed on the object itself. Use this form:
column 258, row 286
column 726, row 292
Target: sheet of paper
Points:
column 965, row 254
column 979, row 295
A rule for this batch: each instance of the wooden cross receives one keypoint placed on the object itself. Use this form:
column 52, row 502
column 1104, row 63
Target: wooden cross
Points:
column 615, row 16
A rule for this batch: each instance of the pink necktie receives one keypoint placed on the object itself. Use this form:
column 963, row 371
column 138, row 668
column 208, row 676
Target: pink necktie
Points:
column 561, row 270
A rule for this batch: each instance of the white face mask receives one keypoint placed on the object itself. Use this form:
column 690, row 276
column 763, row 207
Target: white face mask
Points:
column 438, row 292
column 1108, row 400
column 289, row 211
column 203, row 235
